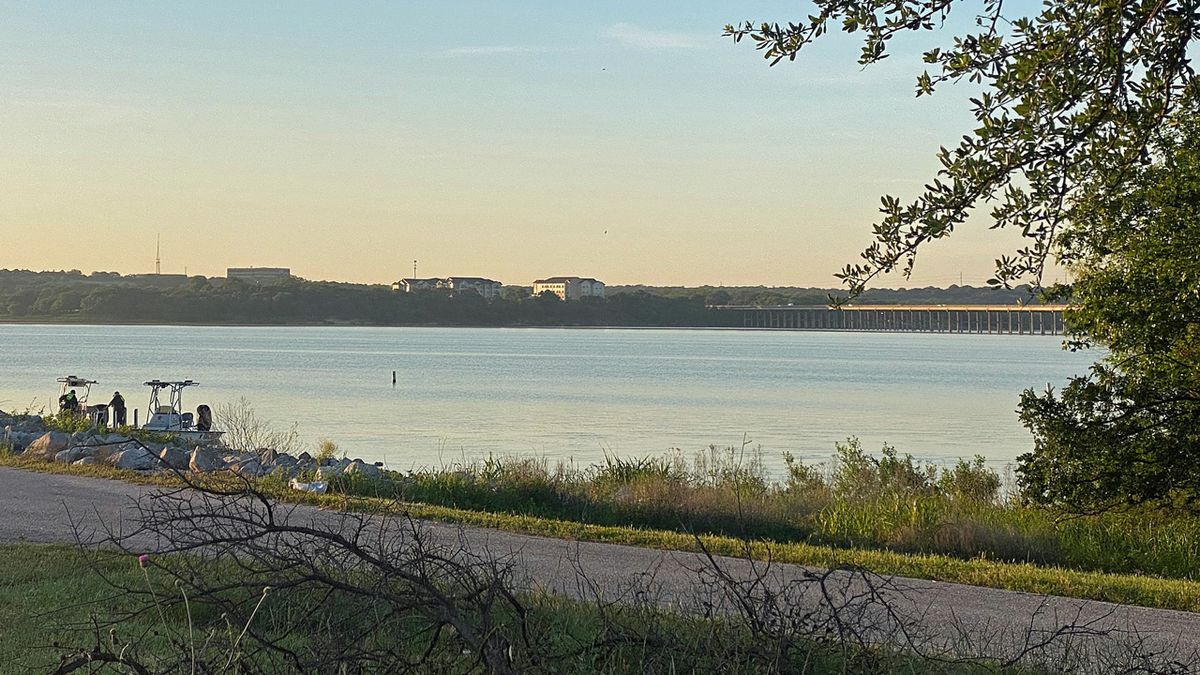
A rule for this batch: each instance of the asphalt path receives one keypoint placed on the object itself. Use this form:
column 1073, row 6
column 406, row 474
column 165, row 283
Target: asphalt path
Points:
column 49, row 508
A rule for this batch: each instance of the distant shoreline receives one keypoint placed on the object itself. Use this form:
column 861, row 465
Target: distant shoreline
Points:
column 9, row 322
column 213, row 324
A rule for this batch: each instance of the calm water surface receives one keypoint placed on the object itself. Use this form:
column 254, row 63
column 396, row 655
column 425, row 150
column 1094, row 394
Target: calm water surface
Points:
column 465, row 392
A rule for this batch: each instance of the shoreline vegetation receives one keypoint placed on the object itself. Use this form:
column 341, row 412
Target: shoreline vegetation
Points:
column 1129, row 589
column 880, row 511
column 107, row 298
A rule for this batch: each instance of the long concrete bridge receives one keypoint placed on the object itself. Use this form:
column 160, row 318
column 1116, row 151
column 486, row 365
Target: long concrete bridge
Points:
column 985, row 319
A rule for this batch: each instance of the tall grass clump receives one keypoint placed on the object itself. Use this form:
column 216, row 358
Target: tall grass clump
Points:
column 617, row 471
column 895, row 502
column 326, row 450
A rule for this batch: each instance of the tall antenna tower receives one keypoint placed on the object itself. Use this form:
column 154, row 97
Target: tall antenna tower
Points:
column 157, row 252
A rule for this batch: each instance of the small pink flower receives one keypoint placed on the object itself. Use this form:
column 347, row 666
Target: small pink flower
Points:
column 143, row 560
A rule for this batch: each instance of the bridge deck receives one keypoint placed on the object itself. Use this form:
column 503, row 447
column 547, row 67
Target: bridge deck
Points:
column 983, row 319
column 940, row 308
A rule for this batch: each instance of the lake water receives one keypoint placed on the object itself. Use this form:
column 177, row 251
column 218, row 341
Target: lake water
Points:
column 569, row 393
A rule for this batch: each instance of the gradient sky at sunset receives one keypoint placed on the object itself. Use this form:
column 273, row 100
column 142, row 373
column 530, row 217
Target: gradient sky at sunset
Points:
column 623, row 140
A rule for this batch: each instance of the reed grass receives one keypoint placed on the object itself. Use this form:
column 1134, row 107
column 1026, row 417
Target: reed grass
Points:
column 887, row 502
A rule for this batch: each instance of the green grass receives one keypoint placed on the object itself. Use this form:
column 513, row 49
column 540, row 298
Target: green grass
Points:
column 1124, row 588
column 49, row 595
column 46, row 589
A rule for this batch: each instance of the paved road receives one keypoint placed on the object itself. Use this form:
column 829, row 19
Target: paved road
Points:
column 37, row 507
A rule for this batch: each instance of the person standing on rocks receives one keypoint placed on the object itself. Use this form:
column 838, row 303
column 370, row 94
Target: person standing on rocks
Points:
column 117, row 405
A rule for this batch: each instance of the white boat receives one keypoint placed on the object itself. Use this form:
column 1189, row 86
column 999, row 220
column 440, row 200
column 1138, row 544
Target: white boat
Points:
column 80, row 385
column 82, row 388
column 169, row 418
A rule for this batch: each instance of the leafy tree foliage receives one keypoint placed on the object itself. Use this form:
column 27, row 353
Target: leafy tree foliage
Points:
column 1086, row 142
column 1072, row 96
column 1130, row 431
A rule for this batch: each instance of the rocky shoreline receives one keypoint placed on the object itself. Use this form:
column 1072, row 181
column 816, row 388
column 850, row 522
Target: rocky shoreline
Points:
column 30, row 436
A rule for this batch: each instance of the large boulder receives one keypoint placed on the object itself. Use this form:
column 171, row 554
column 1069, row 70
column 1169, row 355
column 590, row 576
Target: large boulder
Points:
column 30, row 425
column 16, row 440
column 175, row 457
column 48, row 445
column 361, row 468
column 71, row 455
column 136, row 459
column 232, row 458
column 85, row 461
column 328, row 472
column 24, row 439
column 108, row 454
column 341, row 464
column 205, row 459
column 85, row 438
column 249, row 468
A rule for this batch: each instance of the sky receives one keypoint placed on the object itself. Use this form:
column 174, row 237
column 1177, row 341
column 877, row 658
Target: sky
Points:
column 623, row 140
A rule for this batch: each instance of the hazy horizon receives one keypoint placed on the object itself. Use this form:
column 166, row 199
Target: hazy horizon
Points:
column 626, row 142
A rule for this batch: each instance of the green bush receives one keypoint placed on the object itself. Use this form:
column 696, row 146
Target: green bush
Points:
column 326, row 450
column 858, row 474
column 67, row 423
column 971, row 480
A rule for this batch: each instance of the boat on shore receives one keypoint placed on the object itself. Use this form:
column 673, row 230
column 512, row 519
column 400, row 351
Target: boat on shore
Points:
column 73, row 393
column 170, row 418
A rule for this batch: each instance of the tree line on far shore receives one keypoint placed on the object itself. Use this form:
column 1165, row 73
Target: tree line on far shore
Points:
column 102, row 296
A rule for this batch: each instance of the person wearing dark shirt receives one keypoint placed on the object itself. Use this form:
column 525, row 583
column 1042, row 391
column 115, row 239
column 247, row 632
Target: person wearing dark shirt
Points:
column 69, row 402
column 117, row 405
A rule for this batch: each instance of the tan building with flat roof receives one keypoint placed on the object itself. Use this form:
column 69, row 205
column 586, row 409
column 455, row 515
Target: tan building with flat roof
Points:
column 259, row 275
column 570, row 288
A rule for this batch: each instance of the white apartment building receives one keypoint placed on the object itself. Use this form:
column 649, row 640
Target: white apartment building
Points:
column 570, row 288
column 488, row 288
column 410, row 285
